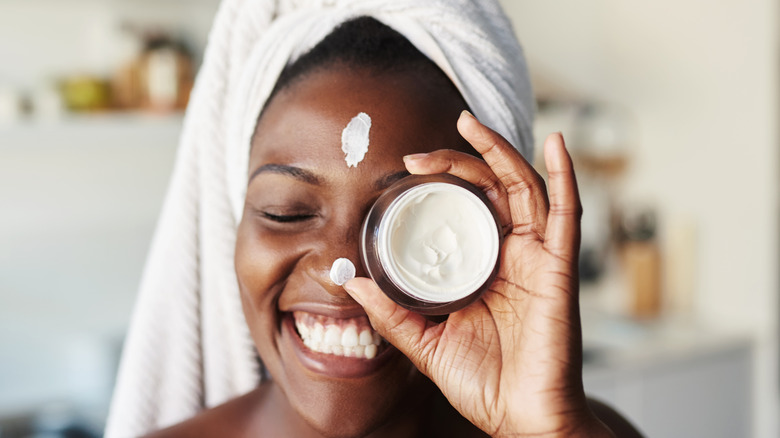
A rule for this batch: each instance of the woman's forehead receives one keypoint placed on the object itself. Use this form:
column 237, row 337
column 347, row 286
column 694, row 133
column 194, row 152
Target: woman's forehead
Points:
column 306, row 121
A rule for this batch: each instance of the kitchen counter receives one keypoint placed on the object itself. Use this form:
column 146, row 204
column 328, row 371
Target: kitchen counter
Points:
column 671, row 378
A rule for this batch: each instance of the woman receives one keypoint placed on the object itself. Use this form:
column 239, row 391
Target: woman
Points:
column 508, row 365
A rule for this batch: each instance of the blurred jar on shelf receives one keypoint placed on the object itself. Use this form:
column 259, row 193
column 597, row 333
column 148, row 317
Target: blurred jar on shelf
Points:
column 159, row 79
column 85, row 93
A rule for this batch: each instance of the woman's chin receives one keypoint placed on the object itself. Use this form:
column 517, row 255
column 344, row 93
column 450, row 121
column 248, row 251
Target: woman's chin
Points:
column 334, row 409
column 353, row 406
column 330, row 429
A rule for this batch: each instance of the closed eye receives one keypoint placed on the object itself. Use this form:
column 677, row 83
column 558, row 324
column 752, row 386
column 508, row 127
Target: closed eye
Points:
column 288, row 218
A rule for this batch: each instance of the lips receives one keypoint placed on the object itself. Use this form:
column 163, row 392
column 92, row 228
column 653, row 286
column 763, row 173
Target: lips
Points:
column 336, row 347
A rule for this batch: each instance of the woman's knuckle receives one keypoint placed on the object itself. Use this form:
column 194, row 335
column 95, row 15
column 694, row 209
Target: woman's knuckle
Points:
column 517, row 185
column 489, row 183
column 561, row 209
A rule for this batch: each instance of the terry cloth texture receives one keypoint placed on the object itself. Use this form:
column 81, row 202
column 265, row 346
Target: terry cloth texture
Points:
column 188, row 346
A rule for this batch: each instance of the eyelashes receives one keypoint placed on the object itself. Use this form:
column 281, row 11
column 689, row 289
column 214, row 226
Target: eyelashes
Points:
column 284, row 219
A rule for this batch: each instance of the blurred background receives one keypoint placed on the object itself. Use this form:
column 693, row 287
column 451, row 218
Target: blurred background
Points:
column 670, row 110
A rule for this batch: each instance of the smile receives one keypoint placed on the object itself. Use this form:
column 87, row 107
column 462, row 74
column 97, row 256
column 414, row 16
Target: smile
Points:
column 346, row 337
column 336, row 342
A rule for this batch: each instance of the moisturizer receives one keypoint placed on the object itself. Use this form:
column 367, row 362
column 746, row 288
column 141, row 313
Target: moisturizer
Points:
column 341, row 271
column 438, row 242
column 354, row 139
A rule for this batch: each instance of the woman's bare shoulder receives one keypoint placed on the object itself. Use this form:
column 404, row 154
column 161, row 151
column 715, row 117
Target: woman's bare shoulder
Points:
column 233, row 418
column 239, row 417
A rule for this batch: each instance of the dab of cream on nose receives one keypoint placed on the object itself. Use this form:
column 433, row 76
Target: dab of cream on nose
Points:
column 354, row 139
column 341, row 271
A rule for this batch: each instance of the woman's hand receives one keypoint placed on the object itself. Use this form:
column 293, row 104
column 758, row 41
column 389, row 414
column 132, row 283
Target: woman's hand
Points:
column 510, row 362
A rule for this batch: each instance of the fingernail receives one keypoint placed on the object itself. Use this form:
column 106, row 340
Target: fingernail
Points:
column 414, row 157
column 467, row 113
column 493, row 195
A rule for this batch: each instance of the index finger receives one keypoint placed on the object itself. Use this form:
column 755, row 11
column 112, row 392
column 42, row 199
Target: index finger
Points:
column 525, row 188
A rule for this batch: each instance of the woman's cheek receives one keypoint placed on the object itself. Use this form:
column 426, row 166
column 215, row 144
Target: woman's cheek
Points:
column 264, row 260
column 258, row 265
column 255, row 260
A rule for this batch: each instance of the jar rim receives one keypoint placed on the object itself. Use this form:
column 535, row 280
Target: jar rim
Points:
column 409, row 281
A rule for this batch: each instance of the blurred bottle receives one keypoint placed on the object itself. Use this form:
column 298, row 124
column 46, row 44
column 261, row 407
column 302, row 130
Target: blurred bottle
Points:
column 126, row 81
column 10, row 106
column 46, row 101
column 680, row 261
column 641, row 259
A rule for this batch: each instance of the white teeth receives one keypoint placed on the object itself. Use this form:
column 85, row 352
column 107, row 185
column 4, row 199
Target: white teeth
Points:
column 343, row 339
column 317, row 335
column 349, row 338
column 332, row 336
column 366, row 338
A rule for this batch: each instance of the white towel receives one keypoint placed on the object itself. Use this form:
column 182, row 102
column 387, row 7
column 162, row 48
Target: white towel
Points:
column 188, row 346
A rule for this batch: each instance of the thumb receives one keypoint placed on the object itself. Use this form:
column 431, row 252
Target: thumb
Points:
column 411, row 333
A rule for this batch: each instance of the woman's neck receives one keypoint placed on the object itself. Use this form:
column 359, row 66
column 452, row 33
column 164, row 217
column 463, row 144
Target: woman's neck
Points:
column 274, row 416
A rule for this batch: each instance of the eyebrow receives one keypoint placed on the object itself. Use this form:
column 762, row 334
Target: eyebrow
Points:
column 295, row 172
column 310, row 178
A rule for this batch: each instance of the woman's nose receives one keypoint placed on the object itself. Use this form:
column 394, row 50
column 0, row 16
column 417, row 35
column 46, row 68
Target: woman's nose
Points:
column 341, row 242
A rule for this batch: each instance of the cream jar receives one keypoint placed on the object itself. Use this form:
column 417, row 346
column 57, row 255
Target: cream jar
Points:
column 431, row 243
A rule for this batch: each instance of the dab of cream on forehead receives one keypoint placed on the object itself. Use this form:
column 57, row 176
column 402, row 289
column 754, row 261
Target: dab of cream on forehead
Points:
column 354, row 139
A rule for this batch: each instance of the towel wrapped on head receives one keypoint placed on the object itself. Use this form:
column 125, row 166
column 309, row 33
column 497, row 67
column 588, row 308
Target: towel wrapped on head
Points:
column 189, row 346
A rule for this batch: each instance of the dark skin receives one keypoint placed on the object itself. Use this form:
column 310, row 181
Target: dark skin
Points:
column 303, row 210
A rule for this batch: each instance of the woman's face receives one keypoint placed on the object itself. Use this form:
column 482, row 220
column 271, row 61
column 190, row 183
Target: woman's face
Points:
column 304, row 208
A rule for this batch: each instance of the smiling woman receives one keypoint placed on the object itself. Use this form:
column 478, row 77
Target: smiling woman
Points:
column 290, row 235
column 346, row 361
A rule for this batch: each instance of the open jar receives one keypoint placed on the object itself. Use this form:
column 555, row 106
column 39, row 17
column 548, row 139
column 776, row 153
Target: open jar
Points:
column 432, row 243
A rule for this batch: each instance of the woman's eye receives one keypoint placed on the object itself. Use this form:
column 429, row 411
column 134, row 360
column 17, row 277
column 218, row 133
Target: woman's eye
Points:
column 283, row 218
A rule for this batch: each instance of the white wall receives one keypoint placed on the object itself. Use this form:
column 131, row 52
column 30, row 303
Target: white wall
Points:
column 42, row 40
column 79, row 199
column 701, row 79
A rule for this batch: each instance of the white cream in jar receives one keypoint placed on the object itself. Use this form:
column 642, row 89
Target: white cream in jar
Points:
column 432, row 243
